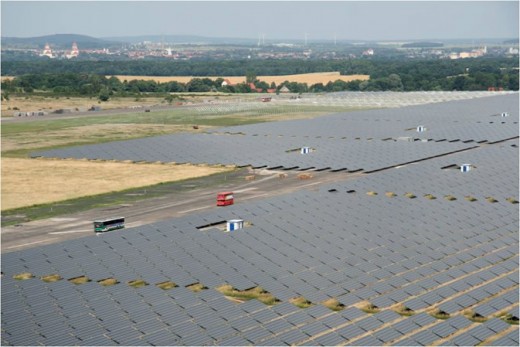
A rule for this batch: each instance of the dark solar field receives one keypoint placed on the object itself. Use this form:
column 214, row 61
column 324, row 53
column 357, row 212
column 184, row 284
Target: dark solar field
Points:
column 420, row 253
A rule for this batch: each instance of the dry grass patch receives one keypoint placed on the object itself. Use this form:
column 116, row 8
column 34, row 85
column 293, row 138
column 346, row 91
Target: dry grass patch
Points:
column 439, row 314
column 196, row 287
column 79, row 280
column 107, row 282
column 404, row 311
column 368, row 307
column 138, row 283
column 51, row 278
column 301, row 302
column 23, row 276
column 49, row 104
column 508, row 318
column 333, row 304
column 86, row 134
column 474, row 317
column 27, row 182
column 257, row 293
column 166, row 285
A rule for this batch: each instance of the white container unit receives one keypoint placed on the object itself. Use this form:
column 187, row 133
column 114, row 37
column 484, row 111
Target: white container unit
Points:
column 465, row 167
column 234, row 224
column 305, row 150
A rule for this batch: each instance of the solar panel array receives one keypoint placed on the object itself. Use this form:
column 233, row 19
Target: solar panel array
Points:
column 456, row 257
column 367, row 140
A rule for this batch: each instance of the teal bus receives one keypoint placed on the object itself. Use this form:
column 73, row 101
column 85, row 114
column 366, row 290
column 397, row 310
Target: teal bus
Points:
column 108, row 224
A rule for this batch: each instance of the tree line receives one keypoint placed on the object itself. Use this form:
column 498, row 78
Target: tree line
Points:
column 85, row 78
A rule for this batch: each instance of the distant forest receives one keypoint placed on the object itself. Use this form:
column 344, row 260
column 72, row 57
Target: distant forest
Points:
column 88, row 77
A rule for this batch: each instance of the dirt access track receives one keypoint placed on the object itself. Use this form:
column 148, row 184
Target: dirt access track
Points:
column 266, row 183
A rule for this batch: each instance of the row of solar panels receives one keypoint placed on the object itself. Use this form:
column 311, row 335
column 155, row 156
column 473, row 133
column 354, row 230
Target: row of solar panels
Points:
column 334, row 147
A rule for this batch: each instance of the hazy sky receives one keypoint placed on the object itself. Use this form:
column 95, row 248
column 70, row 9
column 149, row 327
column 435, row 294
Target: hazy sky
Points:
column 353, row 20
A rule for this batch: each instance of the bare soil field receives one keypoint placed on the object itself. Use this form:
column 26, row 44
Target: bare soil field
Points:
column 310, row 78
column 27, row 182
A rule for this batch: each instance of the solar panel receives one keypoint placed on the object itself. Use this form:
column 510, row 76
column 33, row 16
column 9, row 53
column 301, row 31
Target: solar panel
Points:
column 387, row 334
column 330, row 339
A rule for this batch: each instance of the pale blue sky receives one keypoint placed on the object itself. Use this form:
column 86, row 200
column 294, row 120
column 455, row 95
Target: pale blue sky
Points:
column 351, row 20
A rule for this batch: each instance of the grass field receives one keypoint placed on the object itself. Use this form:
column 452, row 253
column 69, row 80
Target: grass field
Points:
column 310, row 78
column 50, row 104
column 20, row 138
column 28, row 182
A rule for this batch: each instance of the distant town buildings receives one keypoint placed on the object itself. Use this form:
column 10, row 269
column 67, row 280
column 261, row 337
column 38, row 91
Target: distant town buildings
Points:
column 473, row 54
column 47, row 52
column 73, row 53
column 186, row 52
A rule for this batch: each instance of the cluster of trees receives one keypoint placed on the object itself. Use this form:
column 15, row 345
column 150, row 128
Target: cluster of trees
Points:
column 104, row 87
column 69, row 78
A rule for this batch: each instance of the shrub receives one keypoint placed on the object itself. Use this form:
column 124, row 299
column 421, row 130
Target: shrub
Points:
column 257, row 293
column 138, row 283
column 23, row 276
column 79, row 280
column 404, row 311
column 108, row 282
column 301, row 302
column 439, row 314
column 51, row 278
column 333, row 304
column 166, row 285
column 196, row 287
column 368, row 307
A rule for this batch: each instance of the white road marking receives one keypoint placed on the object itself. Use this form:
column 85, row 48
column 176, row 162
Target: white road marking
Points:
column 244, row 190
column 194, row 209
column 311, row 184
column 25, row 244
column 63, row 219
column 255, row 196
column 70, row 231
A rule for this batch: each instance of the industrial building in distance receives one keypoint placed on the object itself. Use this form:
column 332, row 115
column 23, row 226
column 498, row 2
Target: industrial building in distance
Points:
column 419, row 248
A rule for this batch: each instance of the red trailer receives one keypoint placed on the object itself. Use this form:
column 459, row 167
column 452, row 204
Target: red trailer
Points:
column 225, row 199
